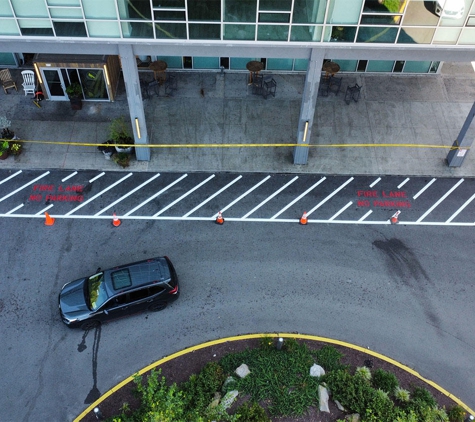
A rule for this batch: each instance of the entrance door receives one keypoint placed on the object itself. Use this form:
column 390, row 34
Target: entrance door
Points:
column 54, row 81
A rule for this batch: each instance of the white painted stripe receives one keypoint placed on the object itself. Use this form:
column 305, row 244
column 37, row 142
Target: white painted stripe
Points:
column 403, row 183
column 270, row 197
column 342, row 210
column 69, row 177
column 10, row 177
column 45, row 209
column 298, row 198
column 330, row 196
column 461, row 208
column 128, row 194
column 439, row 201
column 375, row 182
column 184, row 196
column 155, row 195
column 366, row 215
column 242, row 196
column 212, row 196
column 14, row 209
column 99, row 194
column 239, row 219
column 423, row 189
column 24, row 186
column 97, row 177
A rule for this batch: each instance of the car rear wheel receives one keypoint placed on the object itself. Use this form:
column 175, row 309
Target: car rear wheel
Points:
column 89, row 325
column 159, row 306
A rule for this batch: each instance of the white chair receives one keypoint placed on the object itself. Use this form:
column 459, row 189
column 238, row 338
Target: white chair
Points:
column 28, row 81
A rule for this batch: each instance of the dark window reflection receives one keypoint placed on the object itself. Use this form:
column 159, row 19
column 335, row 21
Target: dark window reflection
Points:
column 204, row 10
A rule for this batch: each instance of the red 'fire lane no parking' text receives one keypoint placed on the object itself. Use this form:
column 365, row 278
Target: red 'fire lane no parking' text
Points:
column 367, row 198
column 61, row 193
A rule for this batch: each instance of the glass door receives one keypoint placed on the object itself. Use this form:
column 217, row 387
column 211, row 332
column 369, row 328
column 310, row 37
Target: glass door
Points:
column 54, row 82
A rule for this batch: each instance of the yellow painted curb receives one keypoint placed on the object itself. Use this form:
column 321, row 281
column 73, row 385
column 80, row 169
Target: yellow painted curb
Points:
column 285, row 335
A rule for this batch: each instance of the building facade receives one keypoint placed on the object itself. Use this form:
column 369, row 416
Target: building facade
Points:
column 398, row 36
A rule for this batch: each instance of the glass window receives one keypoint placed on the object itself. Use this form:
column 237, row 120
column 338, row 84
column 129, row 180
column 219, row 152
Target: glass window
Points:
column 169, row 15
column 279, row 64
column 204, row 10
column 347, row 65
column 65, row 12
column 274, row 17
column 239, row 32
column 380, row 19
column 105, row 9
column 340, row 33
column 120, row 278
column 239, row 63
column 138, row 295
column 272, row 32
column 7, row 59
column 378, row 6
column 471, row 21
column 69, row 29
column 168, row 4
column 306, row 33
column 134, row 9
column 240, row 10
column 420, row 13
column 309, row 12
column 96, row 293
column 137, row 29
column 467, row 37
column 28, row 9
column 5, row 9
column 446, row 36
column 106, row 29
column 452, row 13
column 379, row 66
column 301, row 64
column 63, row 2
column 35, row 27
column 9, row 27
column 344, row 11
column 170, row 31
column 275, row 4
column 173, row 62
column 376, row 34
column 416, row 35
column 416, row 67
column 204, row 31
column 205, row 62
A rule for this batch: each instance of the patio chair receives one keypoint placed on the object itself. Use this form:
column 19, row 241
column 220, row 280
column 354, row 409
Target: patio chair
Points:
column 28, row 82
column 7, row 80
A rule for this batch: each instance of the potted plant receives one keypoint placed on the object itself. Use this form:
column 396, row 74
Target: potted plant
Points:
column 74, row 92
column 122, row 159
column 4, row 150
column 16, row 148
column 5, row 124
column 119, row 133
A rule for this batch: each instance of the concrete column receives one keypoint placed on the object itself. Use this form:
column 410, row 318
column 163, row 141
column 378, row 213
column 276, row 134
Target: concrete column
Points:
column 134, row 99
column 307, row 108
column 461, row 145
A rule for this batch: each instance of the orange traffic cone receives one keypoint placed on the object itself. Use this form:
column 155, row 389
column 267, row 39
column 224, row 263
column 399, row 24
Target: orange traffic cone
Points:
column 394, row 218
column 303, row 219
column 115, row 220
column 49, row 220
column 219, row 218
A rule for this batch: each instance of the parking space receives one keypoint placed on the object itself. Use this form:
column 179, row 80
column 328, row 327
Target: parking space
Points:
column 240, row 197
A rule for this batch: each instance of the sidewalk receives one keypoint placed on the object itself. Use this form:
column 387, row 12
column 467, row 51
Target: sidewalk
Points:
column 393, row 109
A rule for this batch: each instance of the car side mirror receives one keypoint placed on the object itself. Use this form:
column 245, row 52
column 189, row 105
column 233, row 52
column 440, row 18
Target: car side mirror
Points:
column 106, row 311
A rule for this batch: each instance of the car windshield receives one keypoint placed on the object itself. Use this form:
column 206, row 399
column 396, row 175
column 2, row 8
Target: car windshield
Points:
column 97, row 294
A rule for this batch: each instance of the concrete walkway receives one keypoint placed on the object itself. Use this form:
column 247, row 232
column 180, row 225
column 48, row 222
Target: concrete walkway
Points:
column 215, row 108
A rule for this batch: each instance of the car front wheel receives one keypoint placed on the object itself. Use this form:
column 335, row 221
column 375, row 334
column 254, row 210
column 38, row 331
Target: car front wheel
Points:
column 159, row 306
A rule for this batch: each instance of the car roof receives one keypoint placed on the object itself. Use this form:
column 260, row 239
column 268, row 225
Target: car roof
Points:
column 132, row 276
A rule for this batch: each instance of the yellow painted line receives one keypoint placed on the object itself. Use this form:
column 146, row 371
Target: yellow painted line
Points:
column 90, row 144
column 253, row 336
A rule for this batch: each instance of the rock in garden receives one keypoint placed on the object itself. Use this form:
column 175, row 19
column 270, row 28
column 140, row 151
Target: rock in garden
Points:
column 355, row 417
column 340, row 406
column 243, row 371
column 229, row 398
column 216, row 399
column 323, row 399
column 316, row 371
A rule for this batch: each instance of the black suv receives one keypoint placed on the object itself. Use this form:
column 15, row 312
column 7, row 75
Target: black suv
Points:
column 145, row 285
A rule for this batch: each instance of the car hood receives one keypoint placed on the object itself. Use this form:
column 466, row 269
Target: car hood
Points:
column 72, row 300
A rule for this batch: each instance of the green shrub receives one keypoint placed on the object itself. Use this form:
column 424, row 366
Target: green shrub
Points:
column 385, row 381
column 252, row 413
column 363, row 372
column 328, row 357
column 423, row 396
column 402, row 395
column 199, row 389
column 456, row 414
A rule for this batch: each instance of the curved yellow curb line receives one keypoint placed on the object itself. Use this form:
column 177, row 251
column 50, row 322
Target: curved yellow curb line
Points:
column 285, row 335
